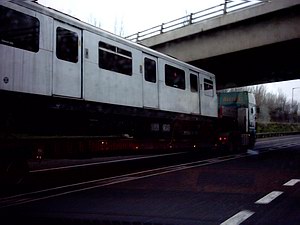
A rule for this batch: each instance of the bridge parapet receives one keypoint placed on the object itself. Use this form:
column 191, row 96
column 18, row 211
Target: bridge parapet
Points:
column 212, row 12
column 213, row 17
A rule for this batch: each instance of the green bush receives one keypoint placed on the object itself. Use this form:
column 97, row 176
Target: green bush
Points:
column 277, row 127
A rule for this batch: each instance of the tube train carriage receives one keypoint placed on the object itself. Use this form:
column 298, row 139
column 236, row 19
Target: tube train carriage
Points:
column 45, row 52
column 68, row 88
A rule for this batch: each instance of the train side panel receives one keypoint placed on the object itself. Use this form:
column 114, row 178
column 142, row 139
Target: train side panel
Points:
column 173, row 93
column 26, row 68
column 112, row 84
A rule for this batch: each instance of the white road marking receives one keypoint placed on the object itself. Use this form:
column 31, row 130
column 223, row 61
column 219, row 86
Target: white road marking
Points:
column 104, row 162
column 269, row 197
column 292, row 182
column 238, row 218
column 252, row 152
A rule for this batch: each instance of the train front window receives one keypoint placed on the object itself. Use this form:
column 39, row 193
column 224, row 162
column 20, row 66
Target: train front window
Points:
column 150, row 70
column 66, row 45
column 115, row 59
column 19, row 30
column 208, row 87
column 174, row 77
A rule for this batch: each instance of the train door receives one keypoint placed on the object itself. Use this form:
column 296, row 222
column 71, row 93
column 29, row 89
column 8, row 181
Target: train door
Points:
column 195, row 96
column 67, row 72
column 150, row 81
column 208, row 98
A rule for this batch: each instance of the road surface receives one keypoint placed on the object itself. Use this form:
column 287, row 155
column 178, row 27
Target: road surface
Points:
column 261, row 187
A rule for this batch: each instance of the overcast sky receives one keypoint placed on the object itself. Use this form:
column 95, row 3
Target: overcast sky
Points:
column 138, row 15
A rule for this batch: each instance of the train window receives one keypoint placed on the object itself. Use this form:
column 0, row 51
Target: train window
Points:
column 66, row 45
column 19, row 30
column 174, row 77
column 115, row 59
column 107, row 46
column 208, row 87
column 194, row 82
column 124, row 52
column 150, row 70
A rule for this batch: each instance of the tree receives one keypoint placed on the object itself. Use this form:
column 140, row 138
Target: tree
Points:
column 273, row 107
column 94, row 21
column 119, row 27
column 260, row 92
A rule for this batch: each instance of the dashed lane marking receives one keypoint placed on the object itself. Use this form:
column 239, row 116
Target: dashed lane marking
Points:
column 292, row 182
column 245, row 214
column 269, row 197
column 238, row 218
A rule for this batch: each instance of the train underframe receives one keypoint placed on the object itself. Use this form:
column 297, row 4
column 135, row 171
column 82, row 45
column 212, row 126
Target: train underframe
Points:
column 30, row 119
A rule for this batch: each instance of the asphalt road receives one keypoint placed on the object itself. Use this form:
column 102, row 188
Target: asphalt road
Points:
column 261, row 187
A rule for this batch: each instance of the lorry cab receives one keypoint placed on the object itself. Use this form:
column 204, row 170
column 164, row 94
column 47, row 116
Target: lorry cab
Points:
column 240, row 108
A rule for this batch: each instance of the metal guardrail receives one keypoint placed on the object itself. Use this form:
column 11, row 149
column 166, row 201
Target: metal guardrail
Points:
column 212, row 12
column 275, row 134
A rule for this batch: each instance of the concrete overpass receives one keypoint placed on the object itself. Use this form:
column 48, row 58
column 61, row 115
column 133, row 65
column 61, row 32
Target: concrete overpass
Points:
column 258, row 44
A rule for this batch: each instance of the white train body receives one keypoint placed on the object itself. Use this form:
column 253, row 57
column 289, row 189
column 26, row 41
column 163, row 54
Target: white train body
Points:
column 48, row 53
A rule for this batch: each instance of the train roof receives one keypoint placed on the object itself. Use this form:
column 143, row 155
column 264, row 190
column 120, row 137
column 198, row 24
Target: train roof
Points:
column 34, row 5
